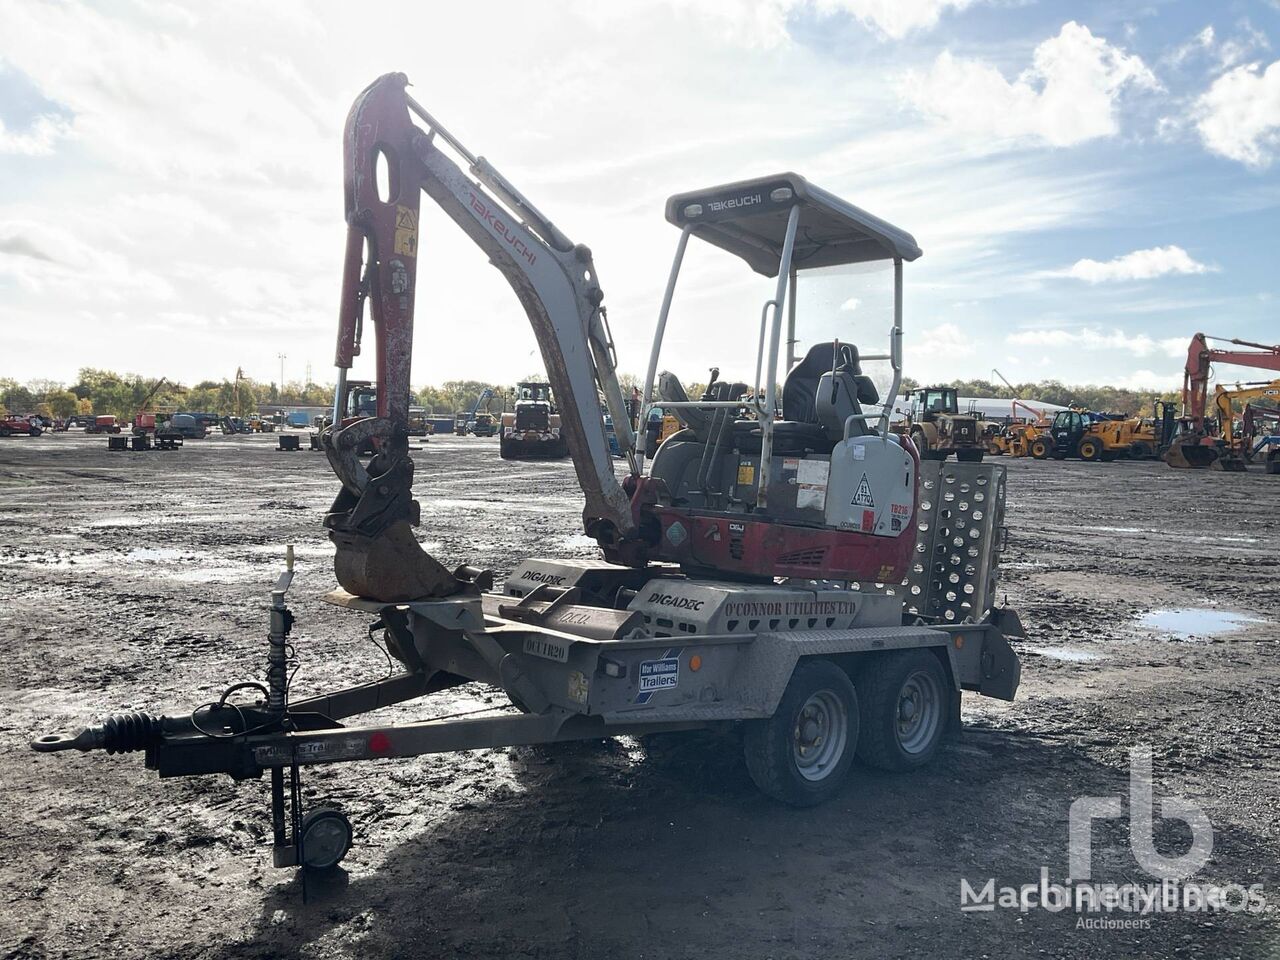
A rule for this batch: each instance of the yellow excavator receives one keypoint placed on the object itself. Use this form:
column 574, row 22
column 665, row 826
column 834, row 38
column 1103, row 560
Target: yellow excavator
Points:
column 1235, row 452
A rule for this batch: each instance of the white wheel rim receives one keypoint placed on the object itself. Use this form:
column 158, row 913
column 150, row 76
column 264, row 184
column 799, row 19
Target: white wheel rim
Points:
column 919, row 712
column 820, row 735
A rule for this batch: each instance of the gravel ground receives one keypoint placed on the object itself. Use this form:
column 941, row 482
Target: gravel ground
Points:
column 140, row 580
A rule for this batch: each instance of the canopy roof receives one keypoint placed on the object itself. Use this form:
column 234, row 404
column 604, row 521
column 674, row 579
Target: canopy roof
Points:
column 749, row 219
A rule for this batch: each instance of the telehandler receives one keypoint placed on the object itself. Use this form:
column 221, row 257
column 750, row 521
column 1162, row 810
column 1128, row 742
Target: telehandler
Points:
column 799, row 572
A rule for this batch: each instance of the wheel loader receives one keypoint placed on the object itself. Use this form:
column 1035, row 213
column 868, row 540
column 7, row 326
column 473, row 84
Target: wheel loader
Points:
column 531, row 431
column 799, row 572
column 938, row 429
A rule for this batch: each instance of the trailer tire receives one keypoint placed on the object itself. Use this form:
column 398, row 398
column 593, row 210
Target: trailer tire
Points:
column 820, row 705
column 921, row 442
column 904, row 695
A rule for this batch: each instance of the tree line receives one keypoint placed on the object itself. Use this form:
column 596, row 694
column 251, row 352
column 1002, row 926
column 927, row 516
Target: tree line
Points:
column 100, row 392
column 1099, row 398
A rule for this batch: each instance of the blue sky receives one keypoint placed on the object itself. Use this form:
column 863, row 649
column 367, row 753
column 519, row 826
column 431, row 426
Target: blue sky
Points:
column 1091, row 182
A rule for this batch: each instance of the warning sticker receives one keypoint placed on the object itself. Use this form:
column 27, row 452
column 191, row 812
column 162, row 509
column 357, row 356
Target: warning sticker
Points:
column 659, row 674
column 406, row 244
column 812, row 479
column 863, row 496
column 746, row 472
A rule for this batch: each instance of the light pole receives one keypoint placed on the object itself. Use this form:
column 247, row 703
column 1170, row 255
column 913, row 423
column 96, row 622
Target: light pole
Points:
column 281, row 357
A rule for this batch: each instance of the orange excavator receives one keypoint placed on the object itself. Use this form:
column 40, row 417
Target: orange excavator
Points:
column 1194, row 441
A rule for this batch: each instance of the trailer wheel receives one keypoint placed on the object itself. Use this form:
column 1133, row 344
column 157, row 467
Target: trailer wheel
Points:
column 904, row 696
column 802, row 753
column 326, row 838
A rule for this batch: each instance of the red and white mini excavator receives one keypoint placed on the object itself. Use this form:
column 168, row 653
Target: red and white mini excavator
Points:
column 785, row 561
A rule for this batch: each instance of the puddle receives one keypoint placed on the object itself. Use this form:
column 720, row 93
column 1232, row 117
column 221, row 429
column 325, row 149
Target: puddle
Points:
column 158, row 555
column 1068, row 654
column 1187, row 622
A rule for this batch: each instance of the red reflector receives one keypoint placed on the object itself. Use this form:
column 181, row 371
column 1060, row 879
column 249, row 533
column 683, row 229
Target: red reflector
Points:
column 379, row 743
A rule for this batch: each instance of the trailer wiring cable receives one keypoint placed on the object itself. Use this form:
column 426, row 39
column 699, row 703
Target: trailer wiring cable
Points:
column 223, row 701
column 381, row 647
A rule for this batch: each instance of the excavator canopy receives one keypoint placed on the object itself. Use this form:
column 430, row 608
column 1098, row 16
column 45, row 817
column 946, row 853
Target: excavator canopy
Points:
column 749, row 219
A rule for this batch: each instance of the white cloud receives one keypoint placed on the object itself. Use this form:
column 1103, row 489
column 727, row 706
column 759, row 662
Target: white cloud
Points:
column 850, row 304
column 1238, row 117
column 943, row 340
column 1067, row 96
column 1138, row 265
column 1089, row 338
column 38, row 140
column 1202, row 41
column 895, row 18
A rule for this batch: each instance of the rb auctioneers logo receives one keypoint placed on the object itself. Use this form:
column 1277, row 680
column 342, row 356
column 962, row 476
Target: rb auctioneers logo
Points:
column 1170, row 895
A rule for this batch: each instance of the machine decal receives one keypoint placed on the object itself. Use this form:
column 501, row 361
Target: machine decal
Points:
column 490, row 218
column 548, row 648
column 676, row 533
column 646, row 693
column 538, row 576
column 659, row 674
column 399, row 277
column 862, row 497
column 670, row 600
column 406, row 241
column 746, row 472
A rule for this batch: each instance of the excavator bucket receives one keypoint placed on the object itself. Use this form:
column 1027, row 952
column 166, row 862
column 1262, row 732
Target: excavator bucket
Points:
column 1190, row 455
column 1229, row 463
column 391, row 567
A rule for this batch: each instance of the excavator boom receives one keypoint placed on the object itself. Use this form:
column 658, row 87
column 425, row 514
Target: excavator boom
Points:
column 555, row 282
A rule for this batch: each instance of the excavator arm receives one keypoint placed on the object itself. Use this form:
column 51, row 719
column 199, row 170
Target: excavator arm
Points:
column 555, row 281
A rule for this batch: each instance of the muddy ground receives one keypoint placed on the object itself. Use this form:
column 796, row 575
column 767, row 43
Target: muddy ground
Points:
column 140, row 580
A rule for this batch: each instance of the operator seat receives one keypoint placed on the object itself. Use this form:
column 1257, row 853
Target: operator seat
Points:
column 672, row 390
column 820, row 392
column 702, row 424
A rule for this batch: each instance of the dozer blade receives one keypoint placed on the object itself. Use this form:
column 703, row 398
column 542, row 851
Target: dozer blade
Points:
column 1191, row 455
column 391, row 567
